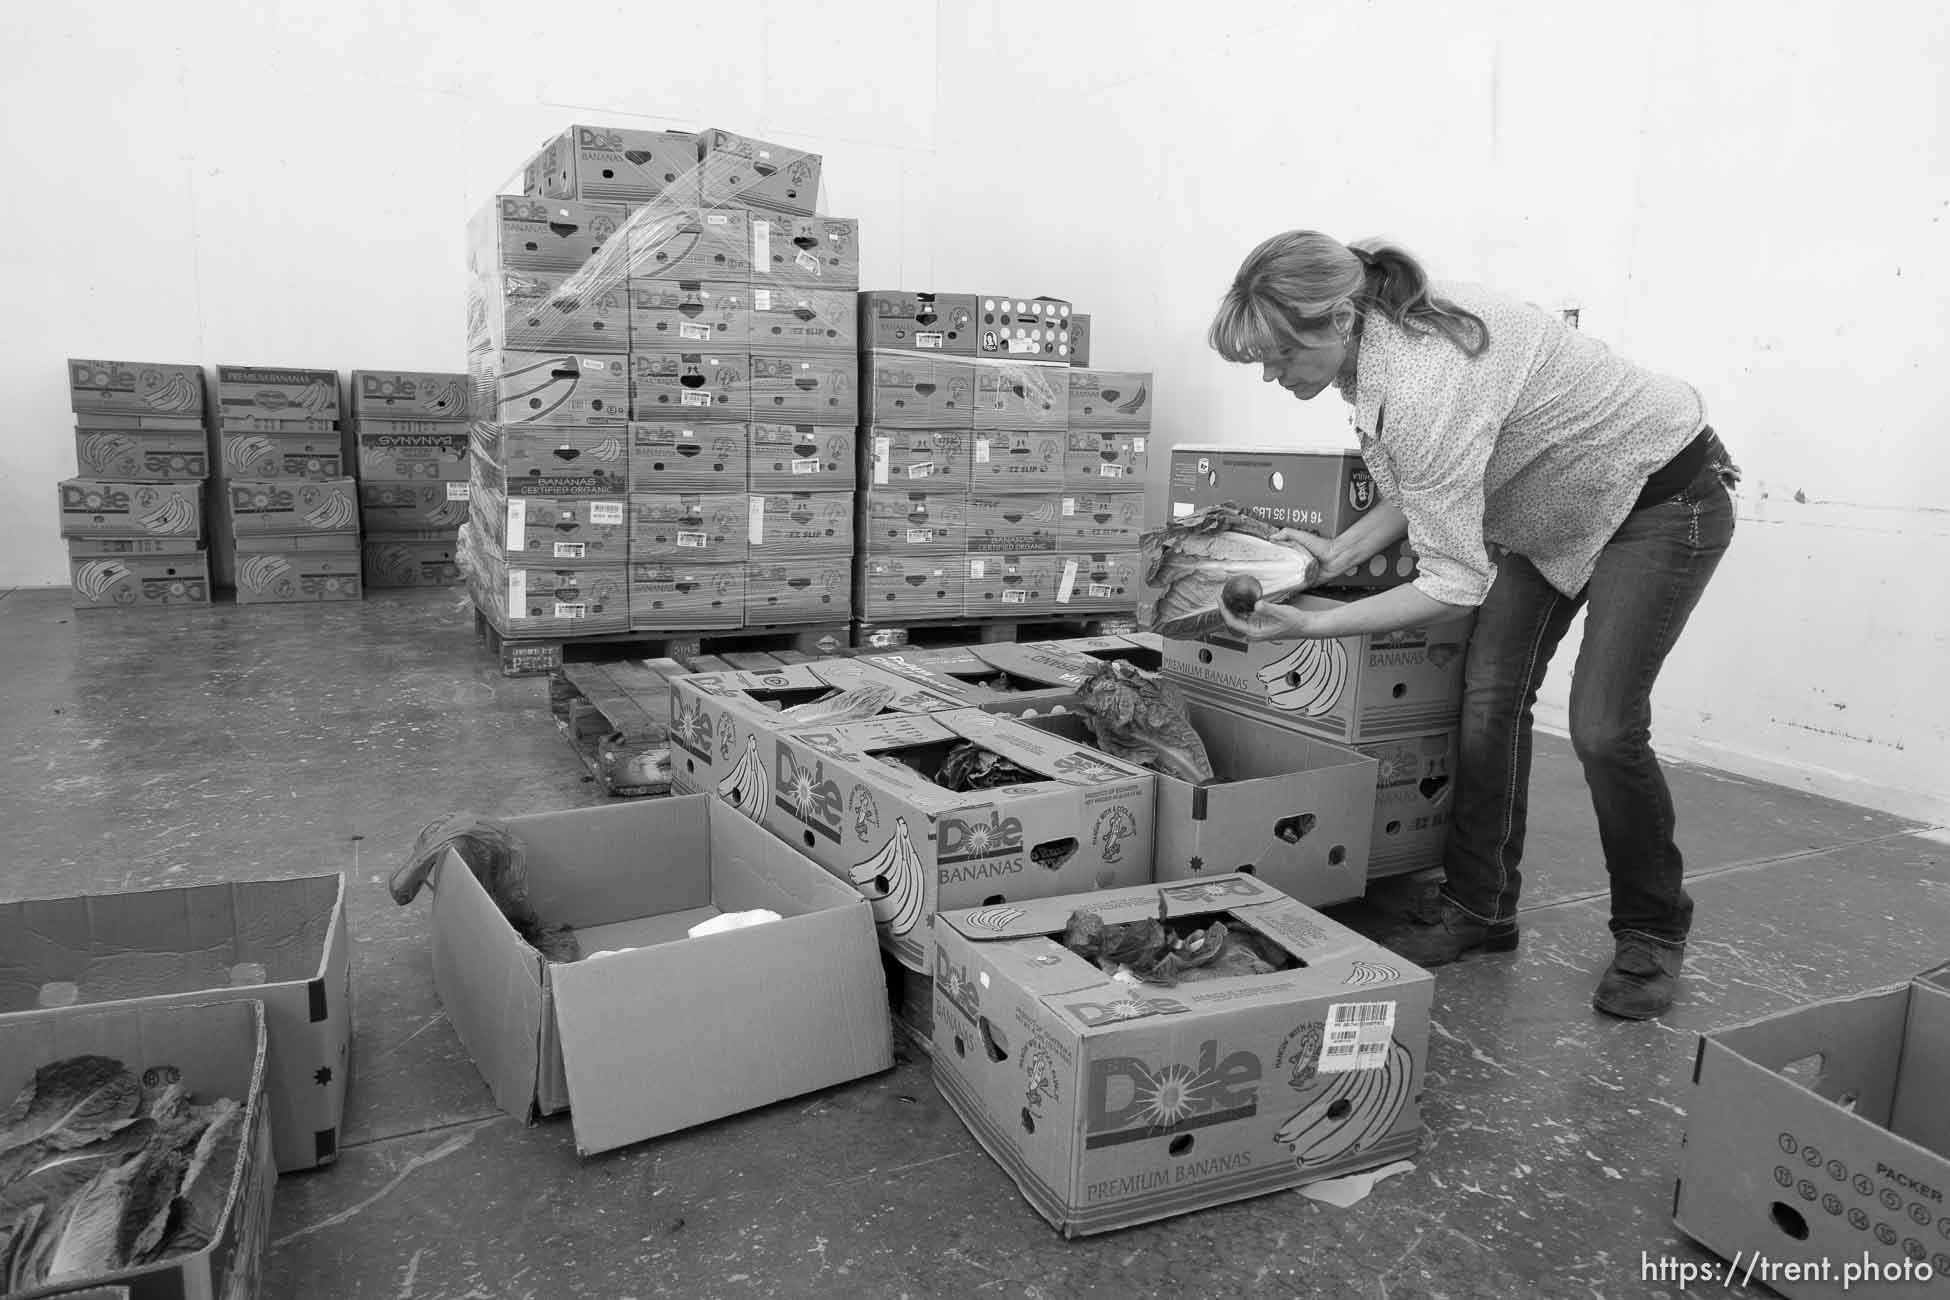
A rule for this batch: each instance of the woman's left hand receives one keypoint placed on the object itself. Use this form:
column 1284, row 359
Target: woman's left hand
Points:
column 1269, row 621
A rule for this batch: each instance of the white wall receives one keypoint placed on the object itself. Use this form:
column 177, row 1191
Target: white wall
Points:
column 1752, row 195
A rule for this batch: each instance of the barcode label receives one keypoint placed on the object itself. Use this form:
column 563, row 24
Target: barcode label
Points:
column 1179, row 509
column 930, row 339
column 806, row 465
column 1067, row 588
column 807, row 262
column 761, row 244
column 517, row 529
column 570, row 550
column 1100, row 591
column 1024, row 345
column 757, row 524
column 1137, row 446
column 1113, row 471
column 694, row 539
column 518, row 593
column 978, row 568
column 565, row 610
column 1069, row 507
column 716, row 219
column 1357, row 1036
column 1015, row 598
column 762, row 299
column 605, row 512
column 882, row 450
column 460, row 491
column 697, row 399
column 920, row 469
column 919, row 536
column 981, row 451
column 686, row 330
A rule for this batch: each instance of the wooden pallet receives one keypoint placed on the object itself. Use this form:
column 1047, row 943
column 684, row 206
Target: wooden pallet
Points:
column 948, row 632
column 541, row 658
column 616, row 717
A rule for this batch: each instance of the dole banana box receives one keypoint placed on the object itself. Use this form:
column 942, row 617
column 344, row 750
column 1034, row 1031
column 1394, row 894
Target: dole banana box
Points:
column 814, row 589
column 690, row 527
column 1111, row 399
column 920, row 322
column 1013, row 525
column 439, row 396
column 798, row 319
column 681, row 315
column 1101, row 520
column 675, row 243
column 411, row 560
column 806, row 252
column 895, row 589
column 551, row 532
column 1320, row 491
column 148, row 448
column 413, row 507
column 788, row 525
column 1100, row 460
column 274, row 569
column 553, row 389
column 667, row 456
column 805, row 387
column 669, row 597
column 277, row 393
column 1353, row 688
column 938, row 459
column 1010, row 586
column 139, row 581
column 293, row 508
column 135, row 388
column 860, row 800
column 569, row 462
column 1017, row 460
column 532, row 599
column 740, row 171
column 1113, row 1104
column 92, row 507
column 316, row 456
column 1099, row 583
column 896, row 522
column 616, row 164
column 1414, row 790
column 1023, row 329
column 586, row 310
column 802, row 457
column 691, row 386
column 981, row 680
column 412, row 451
column 1011, row 395
column 909, row 390
column 1079, row 338
column 533, row 233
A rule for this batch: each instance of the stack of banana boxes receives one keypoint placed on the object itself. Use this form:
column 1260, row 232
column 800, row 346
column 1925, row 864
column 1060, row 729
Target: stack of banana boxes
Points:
column 1110, row 1100
column 411, row 432
column 134, row 515
column 661, row 343
column 288, row 530
column 1394, row 697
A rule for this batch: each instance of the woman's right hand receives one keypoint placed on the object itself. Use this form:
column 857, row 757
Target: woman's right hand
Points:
column 1312, row 543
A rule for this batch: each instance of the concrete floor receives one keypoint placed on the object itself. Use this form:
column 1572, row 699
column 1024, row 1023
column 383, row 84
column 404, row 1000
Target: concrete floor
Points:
column 199, row 745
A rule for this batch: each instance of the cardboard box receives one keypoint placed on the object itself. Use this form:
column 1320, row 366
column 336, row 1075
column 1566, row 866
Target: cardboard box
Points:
column 1023, row 329
column 691, row 386
column 1111, row 399
column 1098, row 460
column 802, row 457
column 139, row 581
column 314, row 456
column 522, row 460
column 1145, row 1102
column 805, row 388
column 1017, row 461
column 673, row 243
column 1011, row 395
column 213, row 1051
column 1099, row 583
column 586, row 310
column 409, row 395
column 1414, row 791
column 616, row 164
column 681, row 315
column 414, row 456
column 555, row 532
column 281, row 570
column 931, row 459
column 270, row 392
column 406, row 560
column 986, row 676
column 740, row 171
column 549, row 599
column 791, row 319
column 680, row 595
column 916, row 848
column 287, row 508
column 279, row 942
column 898, row 523
column 923, row 322
column 690, row 527
column 135, row 388
column 1818, row 1137
column 906, row 390
column 896, row 589
column 806, row 252
column 677, row 457
column 811, row 590
column 532, row 233
column 1344, row 688
column 1010, row 585
column 789, row 525
column 1010, row 525
column 557, row 389
column 179, row 450
column 1321, row 491
column 412, row 507
column 83, row 548
column 670, row 1031
column 1101, row 520
column 92, row 507
column 1079, row 338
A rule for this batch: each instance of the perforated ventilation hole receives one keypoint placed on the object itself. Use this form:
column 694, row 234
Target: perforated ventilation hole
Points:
column 1340, row 1110
column 1337, row 855
column 1181, row 1144
column 1276, row 481
column 809, row 839
column 1788, row 1220
column 1392, row 828
column 1204, row 655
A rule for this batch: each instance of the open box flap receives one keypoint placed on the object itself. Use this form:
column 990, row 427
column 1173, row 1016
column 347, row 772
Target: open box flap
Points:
column 1040, row 751
column 937, row 684
column 1046, row 665
column 491, row 984
column 1844, row 1050
column 1923, row 1077
column 912, row 693
column 1047, row 916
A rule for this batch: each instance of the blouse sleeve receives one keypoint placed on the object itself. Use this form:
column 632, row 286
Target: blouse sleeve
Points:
column 1438, row 441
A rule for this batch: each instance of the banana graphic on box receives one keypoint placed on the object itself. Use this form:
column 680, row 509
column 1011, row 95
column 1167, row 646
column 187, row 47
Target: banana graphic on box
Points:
column 102, row 452
column 1308, row 679
column 891, row 881
column 171, row 396
column 745, row 786
column 254, row 456
column 94, row 578
column 333, row 512
column 265, row 575
column 173, row 516
column 1351, row 1112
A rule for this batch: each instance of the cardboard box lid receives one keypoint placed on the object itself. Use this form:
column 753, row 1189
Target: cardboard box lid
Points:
column 903, row 694
column 1039, row 663
column 496, row 1004
column 1059, row 762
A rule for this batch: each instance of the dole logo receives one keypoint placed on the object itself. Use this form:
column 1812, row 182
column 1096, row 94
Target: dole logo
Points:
column 965, row 841
column 808, row 794
column 267, row 496
column 388, row 386
column 517, row 209
column 1126, row 1099
column 589, row 138
column 953, row 983
column 103, row 500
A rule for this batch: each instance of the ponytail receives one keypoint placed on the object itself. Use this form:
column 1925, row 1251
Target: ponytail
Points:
column 1395, row 286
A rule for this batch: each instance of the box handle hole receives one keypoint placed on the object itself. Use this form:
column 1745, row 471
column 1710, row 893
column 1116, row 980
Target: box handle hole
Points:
column 997, row 1050
column 961, row 1046
column 1337, row 855
column 1295, row 828
column 1789, row 1220
column 1340, row 1110
column 1028, row 1121
column 1246, row 869
column 1181, row 1144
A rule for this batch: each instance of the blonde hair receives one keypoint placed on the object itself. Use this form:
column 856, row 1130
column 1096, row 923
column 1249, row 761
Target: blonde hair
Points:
column 1298, row 281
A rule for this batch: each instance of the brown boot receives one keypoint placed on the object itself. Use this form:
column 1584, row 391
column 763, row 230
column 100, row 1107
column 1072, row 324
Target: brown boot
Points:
column 1452, row 934
column 1641, row 980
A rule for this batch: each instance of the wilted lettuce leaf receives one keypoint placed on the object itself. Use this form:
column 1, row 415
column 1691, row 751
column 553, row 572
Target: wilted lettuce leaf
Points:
column 69, row 1103
column 83, row 1243
column 206, row 1182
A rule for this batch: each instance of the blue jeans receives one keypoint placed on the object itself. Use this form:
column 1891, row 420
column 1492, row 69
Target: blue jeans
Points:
column 1649, row 578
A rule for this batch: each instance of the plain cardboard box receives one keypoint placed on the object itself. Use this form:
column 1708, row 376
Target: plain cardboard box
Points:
column 790, row 457
column 679, row 315
column 924, row 322
column 672, row 595
column 1079, row 338
column 1013, row 524
column 526, row 461
column 134, row 388
column 554, row 532
column 315, row 456
column 214, row 1051
column 410, row 560
column 896, row 521
column 279, row 942
column 691, row 385
column 666, row 242
column 896, row 589
column 805, row 252
column 290, row 508
column 916, row 848
column 1094, row 520
column 1099, row 583
column 139, row 581
column 617, row 164
column 1010, row 585
column 145, row 448
column 670, row 1031
column 533, row 233
column 1353, row 688
column 677, row 457
column 690, row 527
column 805, row 387
column 93, row 507
column 928, row 458
column 277, row 393
column 554, row 389
column 1017, row 461
column 531, row 599
column 1414, row 792
column 1103, row 460
column 584, row 311
column 1819, row 1135
column 412, row 507
column 409, row 395
column 796, row 319
column 741, row 171
column 784, row 525
column 429, row 453
column 815, row 589
column 1111, row 399
column 279, row 570
column 1112, row 1104
column 1016, row 396
column 1023, row 329
column 909, row 390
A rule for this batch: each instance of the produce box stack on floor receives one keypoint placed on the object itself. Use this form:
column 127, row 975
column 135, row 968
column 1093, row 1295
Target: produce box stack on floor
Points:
column 289, row 527
column 134, row 514
column 411, row 432
column 1106, row 466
